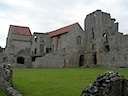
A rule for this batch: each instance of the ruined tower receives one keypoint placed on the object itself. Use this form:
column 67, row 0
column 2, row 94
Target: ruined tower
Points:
column 99, row 27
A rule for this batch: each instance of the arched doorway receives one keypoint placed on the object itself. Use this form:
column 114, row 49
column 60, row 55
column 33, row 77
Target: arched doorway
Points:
column 81, row 60
column 65, row 64
column 107, row 48
column 20, row 60
column 94, row 59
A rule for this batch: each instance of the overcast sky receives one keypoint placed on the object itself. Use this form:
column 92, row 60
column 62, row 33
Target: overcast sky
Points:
column 48, row 15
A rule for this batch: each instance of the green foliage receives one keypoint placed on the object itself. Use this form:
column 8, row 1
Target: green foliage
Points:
column 56, row 81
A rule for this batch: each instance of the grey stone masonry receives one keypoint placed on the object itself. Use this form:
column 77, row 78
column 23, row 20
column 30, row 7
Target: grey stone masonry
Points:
column 6, row 81
column 108, row 84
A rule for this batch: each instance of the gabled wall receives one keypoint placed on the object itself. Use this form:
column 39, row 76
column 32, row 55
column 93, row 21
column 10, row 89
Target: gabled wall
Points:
column 18, row 45
column 65, row 51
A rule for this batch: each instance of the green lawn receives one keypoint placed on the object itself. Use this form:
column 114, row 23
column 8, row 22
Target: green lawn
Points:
column 2, row 93
column 56, row 81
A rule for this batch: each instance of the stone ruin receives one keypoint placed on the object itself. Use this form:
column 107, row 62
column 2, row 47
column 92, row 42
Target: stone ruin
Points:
column 6, row 81
column 107, row 84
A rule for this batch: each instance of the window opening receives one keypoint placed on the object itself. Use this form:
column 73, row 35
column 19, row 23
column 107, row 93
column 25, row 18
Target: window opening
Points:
column 78, row 40
column 20, row 60
column 35, row 51
column 35, row 37
column 93, row 34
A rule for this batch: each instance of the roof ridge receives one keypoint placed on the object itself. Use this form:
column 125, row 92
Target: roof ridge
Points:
column 61, row 30
column 21, row 30
column 19, row 26
column 64, row 27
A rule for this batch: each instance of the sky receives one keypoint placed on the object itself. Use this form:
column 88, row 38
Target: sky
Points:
column 48, row 15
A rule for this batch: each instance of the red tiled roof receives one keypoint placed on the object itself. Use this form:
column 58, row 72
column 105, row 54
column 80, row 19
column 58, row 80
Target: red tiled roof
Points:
column 21, row 30
column 61, row 30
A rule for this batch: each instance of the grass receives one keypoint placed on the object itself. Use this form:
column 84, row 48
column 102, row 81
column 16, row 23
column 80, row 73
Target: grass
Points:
column 2, row 93
column 56, row 81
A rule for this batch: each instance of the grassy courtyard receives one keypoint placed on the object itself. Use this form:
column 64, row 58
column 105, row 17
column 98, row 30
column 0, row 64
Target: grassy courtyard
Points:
column 2, row 93
column 56, row 81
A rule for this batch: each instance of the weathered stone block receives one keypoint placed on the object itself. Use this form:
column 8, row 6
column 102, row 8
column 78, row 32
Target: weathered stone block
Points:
column 6, row 81
column 107, row 84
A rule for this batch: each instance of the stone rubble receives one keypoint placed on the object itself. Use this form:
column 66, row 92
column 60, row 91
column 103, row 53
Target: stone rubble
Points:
column 108, row 84
column 6, row 81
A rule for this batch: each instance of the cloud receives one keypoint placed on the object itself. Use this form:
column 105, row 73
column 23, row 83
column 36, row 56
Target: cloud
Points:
column 48, row 15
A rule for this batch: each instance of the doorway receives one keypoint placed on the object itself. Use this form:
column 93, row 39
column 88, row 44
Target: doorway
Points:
column 107, row 48
column 94, row 59
column 20, row 60
column 81, row 60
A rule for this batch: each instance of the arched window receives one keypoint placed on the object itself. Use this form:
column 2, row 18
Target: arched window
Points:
column 78, row 40
column 35, row 37
column 105, row 36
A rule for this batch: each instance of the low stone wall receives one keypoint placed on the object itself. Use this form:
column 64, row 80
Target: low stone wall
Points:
column 107, row 84
column 6, row 81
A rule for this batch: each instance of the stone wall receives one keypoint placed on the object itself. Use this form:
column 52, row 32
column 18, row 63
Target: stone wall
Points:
column 6, row 81
column 65, row 50
column 108, row 84
column 40, row 43
column 117, row 59
column 54, row 59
